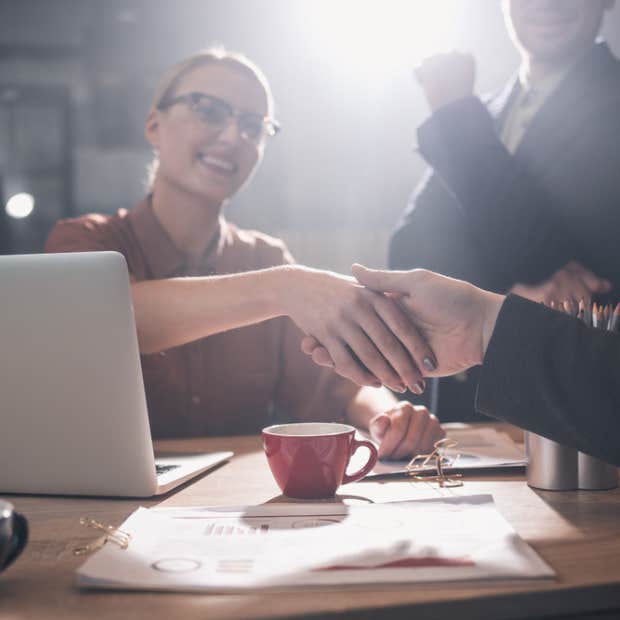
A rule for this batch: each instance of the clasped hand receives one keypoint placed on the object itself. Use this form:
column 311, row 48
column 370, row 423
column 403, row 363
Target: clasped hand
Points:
column 454, row 318
column 446, row 78
column 432, row 317
column 366, row 336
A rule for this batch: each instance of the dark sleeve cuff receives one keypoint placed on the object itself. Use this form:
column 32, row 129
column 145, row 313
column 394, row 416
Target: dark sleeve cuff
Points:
column 509, row 371
column 548, row 373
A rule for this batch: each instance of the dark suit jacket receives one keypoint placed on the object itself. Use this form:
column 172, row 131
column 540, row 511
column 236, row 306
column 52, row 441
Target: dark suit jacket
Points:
column 494, row 218
column 548, row 373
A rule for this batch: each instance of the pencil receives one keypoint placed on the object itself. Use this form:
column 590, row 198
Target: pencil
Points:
column 581, row 312
column 606, row 317
column 594, row 315
column 615, row 319
column 588, row 314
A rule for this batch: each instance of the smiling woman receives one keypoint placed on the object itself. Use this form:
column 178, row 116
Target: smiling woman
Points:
column 216, row 113
column 214, row 303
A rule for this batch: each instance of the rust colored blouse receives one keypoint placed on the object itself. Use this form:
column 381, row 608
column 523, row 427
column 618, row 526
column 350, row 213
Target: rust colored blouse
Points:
column 235, row 382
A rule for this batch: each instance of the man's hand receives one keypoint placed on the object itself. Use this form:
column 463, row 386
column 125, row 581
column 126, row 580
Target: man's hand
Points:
column 573, row 282
column 367, row 336
column 455, row 318
column 446, row 78
column 404, row 431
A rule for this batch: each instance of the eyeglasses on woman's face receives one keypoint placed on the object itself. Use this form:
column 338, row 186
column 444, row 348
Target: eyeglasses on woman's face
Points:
column 217, row 114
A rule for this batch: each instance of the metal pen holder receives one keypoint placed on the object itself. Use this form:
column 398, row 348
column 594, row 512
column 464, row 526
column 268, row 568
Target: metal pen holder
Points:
column 554, row 467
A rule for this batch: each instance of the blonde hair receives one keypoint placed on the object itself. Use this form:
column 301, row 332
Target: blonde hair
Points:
column 171, row 78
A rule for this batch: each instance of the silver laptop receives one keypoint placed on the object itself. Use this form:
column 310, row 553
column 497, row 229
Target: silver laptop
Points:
column 73, row 415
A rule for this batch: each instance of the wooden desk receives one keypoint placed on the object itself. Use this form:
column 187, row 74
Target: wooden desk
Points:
column 577, row 533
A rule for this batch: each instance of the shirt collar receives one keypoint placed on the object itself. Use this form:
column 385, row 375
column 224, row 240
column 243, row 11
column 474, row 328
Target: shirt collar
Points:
column 162, row 256
column 544, row 87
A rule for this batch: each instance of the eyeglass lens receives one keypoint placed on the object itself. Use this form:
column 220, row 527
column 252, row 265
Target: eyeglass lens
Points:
column 218, row 114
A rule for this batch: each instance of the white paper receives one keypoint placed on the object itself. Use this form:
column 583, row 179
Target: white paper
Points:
column 285, row 545
column 478, row 448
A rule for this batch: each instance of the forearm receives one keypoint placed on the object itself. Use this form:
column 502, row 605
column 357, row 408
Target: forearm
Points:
column 367, row 403
column 175, row 311
column 504, row 205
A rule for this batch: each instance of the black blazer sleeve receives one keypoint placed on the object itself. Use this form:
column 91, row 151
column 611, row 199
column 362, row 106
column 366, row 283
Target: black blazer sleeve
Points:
column 548, row 373
column 506, row 207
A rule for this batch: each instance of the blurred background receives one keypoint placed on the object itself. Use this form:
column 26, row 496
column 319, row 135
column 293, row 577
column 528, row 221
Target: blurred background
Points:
column 76, row 78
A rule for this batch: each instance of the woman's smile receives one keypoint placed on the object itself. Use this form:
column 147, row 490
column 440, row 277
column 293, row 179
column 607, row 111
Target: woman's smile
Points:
column 218, row 164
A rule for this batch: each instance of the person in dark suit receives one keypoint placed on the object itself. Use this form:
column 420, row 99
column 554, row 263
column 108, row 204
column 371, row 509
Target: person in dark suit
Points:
column 541, row 370
column 523, row 192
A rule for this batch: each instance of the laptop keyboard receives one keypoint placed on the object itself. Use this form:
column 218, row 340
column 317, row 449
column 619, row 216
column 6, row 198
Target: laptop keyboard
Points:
column 164, row 469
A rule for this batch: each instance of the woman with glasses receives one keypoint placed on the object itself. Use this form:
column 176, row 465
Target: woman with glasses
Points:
column 214, row 303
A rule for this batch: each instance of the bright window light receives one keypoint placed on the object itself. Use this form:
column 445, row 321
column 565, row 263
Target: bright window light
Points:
column 365, row 36
column 20, row 205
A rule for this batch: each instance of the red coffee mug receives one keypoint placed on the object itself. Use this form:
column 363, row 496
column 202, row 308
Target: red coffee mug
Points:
column 309, row 459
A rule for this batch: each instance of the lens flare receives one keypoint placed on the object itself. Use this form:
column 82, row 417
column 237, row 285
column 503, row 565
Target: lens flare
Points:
column 20, row 205
column 366, row 35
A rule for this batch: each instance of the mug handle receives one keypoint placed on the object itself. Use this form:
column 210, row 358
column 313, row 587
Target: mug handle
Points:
column 18, row 540
column 372, row 460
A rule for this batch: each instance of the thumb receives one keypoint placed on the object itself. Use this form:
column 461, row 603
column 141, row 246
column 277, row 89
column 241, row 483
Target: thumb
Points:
column 380, row 280
column 378, row 426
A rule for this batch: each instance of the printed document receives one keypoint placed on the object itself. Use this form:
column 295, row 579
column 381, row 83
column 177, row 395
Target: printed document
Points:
column 310, row 544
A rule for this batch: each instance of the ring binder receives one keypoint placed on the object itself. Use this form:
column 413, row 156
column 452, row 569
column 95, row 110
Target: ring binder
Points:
column 112, row 534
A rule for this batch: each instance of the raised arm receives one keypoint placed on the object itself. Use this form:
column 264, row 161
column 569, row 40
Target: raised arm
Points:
column 514, row 215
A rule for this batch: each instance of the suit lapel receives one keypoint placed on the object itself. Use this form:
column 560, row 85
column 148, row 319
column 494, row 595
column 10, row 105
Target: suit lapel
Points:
column 561, row 117
column 499, row 104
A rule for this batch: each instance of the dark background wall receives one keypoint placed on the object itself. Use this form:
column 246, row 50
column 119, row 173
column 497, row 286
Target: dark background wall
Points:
column 76, row 77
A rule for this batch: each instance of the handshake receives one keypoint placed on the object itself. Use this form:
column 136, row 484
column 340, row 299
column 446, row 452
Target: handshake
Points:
column 397, row 327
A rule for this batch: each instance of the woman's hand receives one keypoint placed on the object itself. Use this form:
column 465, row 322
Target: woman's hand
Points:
column 367, row 336
column 404, row 431
column 455, row 318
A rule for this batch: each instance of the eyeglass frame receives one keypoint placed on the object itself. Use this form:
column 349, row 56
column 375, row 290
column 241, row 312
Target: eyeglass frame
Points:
column 421, row 461
column 271, row 127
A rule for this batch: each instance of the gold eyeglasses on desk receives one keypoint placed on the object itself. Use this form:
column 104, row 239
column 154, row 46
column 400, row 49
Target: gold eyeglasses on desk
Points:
column 421, row 463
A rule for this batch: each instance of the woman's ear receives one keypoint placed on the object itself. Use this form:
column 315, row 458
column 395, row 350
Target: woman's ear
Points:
column 151, row 128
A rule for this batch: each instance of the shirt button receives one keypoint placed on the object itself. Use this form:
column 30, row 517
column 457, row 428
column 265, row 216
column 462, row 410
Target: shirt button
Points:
column 196, row 400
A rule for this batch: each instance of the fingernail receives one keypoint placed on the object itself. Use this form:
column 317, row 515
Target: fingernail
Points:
column 377, row 384
column 418, row 388
column 400, row 388
column 429, row 364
